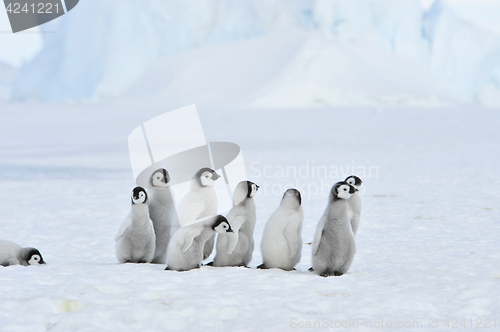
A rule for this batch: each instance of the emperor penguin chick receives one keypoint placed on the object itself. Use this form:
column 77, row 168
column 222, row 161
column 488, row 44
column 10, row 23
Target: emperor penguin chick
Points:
column 185, row 251
column 333, row 245
column 13, row 254
column 354, row 203
column 281, row 241
column 162, row 212
column 200, row 202
column 235, row 249
column 135, row 241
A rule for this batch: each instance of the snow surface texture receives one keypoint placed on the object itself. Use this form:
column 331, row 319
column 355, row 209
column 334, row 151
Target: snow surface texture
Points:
column 427, row 247
column 334, row 52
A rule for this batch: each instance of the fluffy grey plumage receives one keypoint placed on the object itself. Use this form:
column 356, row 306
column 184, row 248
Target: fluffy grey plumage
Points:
column 162, row 213
column 200, row 202
column 185, row 250
column 13, row 254
column 281, row 240
column 354, row 203
column 334, row 245
column 135, row 240
column 236, row 249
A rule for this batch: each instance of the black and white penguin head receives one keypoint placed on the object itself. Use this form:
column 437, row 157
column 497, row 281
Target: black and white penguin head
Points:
column 252, row 189
column 354, row 181
column 206, row 177
column 160, row 178
column 244, row 190
column 34, row 257
column 221, row 225
column 342, row 190
column 139, row 196
column 291, row 198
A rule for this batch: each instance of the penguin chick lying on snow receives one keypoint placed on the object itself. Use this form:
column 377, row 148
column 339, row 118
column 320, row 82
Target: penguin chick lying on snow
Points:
column 13, row 254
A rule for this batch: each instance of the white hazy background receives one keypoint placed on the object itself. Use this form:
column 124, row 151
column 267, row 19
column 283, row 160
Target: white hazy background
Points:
column 260, row 54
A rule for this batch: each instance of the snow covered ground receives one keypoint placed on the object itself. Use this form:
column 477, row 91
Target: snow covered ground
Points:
column 427, row 247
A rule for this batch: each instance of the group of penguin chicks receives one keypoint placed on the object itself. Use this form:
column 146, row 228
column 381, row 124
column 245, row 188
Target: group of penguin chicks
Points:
column 152, row 234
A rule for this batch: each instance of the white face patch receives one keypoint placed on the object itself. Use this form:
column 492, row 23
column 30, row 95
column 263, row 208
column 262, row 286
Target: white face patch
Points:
column 254, row 190
column 141, row 199
column 206, row 179
column 222, row 227
column 352, row 182
column 343, row 192
column 34, row 260
column 158, row 180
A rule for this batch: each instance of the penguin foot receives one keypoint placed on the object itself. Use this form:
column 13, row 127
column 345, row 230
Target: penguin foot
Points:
column 262, row 266
column 197, row 266
column 210, row 264
column 337, row 273
column 324, row 275
column 311, row 269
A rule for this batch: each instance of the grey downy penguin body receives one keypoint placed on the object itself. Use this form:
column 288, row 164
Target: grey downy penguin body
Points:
column 334, row 245
column 281, row 244
column 185, row 250
column 200, row 202
column 161, row 212
column 354, row 203
column 13, row 254
column 135, row 240
column 236, row 249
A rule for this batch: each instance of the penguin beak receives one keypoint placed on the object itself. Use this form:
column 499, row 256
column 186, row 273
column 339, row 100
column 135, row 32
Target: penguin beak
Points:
column 42, row 261
column 230, row 231
column 356, row 189
column 215, row 176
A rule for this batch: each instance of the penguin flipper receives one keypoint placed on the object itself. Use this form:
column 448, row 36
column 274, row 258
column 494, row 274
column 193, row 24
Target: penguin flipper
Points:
column 123, row 228
column 236, row 224
column 317, row 235
column 291, row 237
column 189, row 238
